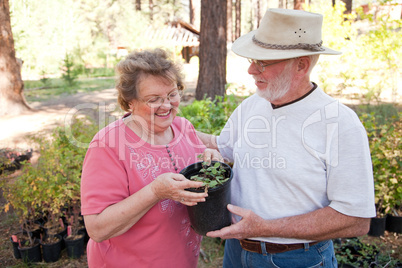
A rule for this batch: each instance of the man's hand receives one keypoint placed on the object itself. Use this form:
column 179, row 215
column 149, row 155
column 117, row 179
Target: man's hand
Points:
column 318, row 225
column 249, row 226
column 211, row 155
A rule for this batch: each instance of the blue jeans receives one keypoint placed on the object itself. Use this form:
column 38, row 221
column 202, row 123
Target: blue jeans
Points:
column 319, row 255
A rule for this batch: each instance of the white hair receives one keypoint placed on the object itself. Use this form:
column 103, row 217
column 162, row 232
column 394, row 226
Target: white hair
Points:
column 313, row 62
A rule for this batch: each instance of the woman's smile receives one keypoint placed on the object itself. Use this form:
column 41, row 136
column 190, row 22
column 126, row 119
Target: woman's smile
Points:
column 164, row 115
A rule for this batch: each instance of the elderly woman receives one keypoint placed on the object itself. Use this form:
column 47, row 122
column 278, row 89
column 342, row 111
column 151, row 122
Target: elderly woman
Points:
column 133, row 197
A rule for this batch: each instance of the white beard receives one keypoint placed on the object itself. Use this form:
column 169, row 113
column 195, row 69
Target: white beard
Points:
column 278, row 87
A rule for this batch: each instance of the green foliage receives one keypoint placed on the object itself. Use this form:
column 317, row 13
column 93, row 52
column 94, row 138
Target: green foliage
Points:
column 210, row 116
column 91, row 30
column 44, row 79
column 381, row 46
column 371, row 49
column 53, row 184
column 57, row 87
column 99, row 72
column 386, row 150
column 70, row 71
column 384, row 113
column 358, row 254
column 211, row 175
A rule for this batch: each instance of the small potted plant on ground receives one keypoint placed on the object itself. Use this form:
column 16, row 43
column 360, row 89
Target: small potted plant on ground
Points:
column 21, row 197
column 213, row 213
column 51, row 247
column 13, row 159
column 385, row 147
column 75, row 237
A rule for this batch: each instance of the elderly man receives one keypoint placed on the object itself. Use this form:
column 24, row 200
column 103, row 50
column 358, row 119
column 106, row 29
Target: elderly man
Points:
column 302, row 166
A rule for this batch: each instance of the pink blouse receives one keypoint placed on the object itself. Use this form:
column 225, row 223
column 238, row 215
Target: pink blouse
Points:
column 118, row 164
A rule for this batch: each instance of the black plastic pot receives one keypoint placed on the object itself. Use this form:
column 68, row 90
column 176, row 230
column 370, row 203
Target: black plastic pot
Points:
column 377, row 226
column 394, row 224
column 212, row 214
column 31, row 254
column 75, row 248
column 16, row 252
column 52, row 252
column 84, row 231
column 21, row 236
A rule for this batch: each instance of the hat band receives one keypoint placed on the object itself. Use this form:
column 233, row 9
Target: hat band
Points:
column 312, row 47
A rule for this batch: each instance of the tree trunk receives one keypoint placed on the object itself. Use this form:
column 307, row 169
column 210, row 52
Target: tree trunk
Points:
column 229, row 21
column 298, row 4
column 238, row 19
column 348, row 5
column 257, row 13
column 213, row 50
column 138, row 5
column 192, row 12
column 12, row 101
column 151, row 10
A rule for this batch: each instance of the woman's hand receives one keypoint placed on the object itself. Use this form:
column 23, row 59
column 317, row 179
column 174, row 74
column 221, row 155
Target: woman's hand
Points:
column 172, row 186
column 211, row 155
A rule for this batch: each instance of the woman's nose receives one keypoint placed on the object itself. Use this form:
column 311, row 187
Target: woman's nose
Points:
column 166, row 103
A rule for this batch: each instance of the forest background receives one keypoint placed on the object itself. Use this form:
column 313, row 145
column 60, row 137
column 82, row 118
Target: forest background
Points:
column 87, row 38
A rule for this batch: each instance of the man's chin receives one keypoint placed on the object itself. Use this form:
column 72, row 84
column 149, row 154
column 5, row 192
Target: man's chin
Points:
column 263, row 94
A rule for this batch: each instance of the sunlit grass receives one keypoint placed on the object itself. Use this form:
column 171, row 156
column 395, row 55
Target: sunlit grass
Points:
column 54, row 87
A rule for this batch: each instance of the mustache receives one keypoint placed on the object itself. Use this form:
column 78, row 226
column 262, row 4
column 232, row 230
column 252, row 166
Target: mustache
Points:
column 259, row 79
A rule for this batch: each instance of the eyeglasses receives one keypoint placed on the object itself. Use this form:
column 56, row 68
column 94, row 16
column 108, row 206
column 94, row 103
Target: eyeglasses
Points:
column 261, row 66
column 157, row 101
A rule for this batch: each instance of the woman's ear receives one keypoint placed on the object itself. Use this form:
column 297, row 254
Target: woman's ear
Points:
column 131, row 106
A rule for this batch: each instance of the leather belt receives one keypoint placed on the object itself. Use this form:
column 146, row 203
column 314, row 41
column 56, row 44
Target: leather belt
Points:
column 255, row 246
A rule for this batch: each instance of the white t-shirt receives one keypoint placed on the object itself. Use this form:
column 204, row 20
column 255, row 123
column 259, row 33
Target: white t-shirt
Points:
column 298, row 158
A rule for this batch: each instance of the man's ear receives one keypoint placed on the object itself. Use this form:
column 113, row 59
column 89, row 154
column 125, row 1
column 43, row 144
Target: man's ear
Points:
column 303, row 65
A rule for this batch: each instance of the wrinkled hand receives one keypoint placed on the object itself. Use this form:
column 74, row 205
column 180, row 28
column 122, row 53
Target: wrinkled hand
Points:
column 172, row 186
column 251, row 225
column 211, row 155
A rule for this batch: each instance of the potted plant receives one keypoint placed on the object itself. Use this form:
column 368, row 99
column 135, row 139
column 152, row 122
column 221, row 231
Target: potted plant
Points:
column 30, row 251
column 75, row 237
column 46, row 187
column 394, row 202
column 51, row 247
column 377, row 224
column 12, row 160
column 21, row 197
column 213, row 213
column 385, row 147
column 394, row 221
column 351, row 252
column 15, row 239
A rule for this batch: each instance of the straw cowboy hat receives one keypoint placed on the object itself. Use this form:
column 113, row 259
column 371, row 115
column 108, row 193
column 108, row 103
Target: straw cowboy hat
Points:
column 283, row 34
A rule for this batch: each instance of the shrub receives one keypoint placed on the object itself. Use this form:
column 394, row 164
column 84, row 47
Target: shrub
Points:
column 210, row 116
column 386, row 148
column 70, row 71
column 51, row 188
